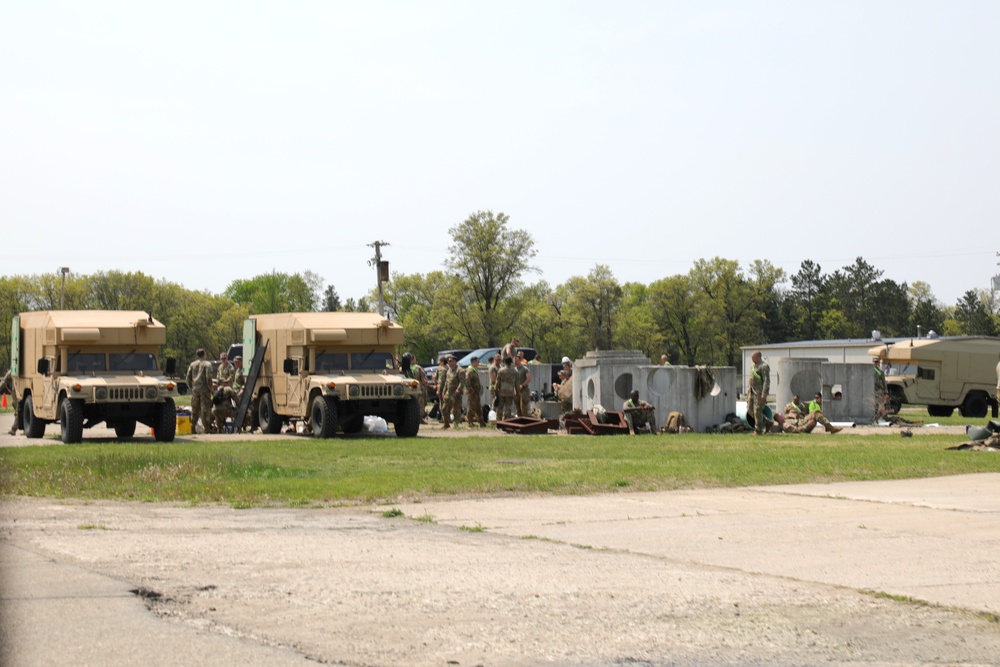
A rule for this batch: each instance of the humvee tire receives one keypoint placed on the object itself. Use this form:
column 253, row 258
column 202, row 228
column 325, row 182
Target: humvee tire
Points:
column 166, row 422
column 125, row 429
column 408, row 419
column 269, row 421
column 975, row 406
column 71, row 420
column 33, row 426
column 323, row 415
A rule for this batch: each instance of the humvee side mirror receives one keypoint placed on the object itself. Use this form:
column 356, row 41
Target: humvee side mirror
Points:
column 43, row 366
column 171, row 366
column 290, row 367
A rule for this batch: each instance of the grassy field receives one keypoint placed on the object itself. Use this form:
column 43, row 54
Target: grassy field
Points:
column 347, row 471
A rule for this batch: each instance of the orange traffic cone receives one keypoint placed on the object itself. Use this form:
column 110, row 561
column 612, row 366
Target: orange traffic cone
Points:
column 4, row 405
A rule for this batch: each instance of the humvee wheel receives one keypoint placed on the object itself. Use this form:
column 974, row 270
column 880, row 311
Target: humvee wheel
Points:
column 125, row 429
column 407, row 419
column 33, row 426
column 166, row 422
column 323, row 415
column 975, row 406
column 71, row 420
column 269, row 422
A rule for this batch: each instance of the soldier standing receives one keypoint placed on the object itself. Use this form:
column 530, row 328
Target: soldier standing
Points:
column 495, row 366
column 416, row 372
column 199, row 380
column 451, row 399
column 226, row 372
column 473, row 392
column 239, row 377
column 506, row 390
column 7, row 385
column 523, row 387
column 760, row 385
column 881, row 390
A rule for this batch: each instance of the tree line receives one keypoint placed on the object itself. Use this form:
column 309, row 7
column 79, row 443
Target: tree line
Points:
column 482, row 296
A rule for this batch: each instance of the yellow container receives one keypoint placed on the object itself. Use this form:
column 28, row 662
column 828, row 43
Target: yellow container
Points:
column 183, row 425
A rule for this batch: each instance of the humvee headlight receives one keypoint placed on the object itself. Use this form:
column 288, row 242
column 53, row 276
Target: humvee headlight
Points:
column 150, row 392
column 355, row 390
column 77, row 387
column 102, row 393
column 397, row 390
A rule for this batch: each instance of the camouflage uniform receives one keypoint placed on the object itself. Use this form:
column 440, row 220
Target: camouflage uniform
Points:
column 199, row 380
column 7, row 384
column 760, row 385
column 451, row 399
column 565, row 395
column 796, row 417
column 224, row 409
column 506, row 391
column 675, row 423
column 523, row 390
column 637, row 414
column 816, row 416
column 226, row 373
column 881, row 393
column 473, row 392
column 420, row 375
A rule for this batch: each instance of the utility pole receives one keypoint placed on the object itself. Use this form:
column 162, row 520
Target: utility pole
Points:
column 62, row 292
column 996, row 278
column 381, row 272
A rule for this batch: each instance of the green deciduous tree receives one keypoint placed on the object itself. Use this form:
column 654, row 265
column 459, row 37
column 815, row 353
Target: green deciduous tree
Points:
column 275, row 293
column 489, row 259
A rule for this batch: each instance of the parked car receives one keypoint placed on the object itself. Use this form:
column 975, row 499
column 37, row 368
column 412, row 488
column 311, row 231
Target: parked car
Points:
column 486, row 353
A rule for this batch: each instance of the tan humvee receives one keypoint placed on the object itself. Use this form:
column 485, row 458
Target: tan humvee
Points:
column 944, row 373
column 84, row 367
column 330, row 370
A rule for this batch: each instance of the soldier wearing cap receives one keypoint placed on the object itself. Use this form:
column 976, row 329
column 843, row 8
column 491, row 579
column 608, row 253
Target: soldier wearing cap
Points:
column 239, row 377
column 473, row 393
column 451, row 396
column 226, row 372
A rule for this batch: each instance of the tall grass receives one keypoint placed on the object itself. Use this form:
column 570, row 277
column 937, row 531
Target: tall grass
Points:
column 307, row 471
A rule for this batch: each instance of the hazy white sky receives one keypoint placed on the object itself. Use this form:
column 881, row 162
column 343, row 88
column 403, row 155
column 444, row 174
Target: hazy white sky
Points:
column 202, row 142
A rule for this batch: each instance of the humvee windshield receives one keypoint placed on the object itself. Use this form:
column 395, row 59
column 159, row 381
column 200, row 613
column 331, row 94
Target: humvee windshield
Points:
column 338, row 361
column 99, row 362
column 133, row 361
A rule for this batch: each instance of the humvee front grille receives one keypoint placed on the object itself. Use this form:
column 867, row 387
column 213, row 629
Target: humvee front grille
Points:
column 376, row 391
column 125, row 393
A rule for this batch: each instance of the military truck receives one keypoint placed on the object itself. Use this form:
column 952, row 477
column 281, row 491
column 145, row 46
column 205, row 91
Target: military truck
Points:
column 329, row 371
column 83, row 367
column 944, row 374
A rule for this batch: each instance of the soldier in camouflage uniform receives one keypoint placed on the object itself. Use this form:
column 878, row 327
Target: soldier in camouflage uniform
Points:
column 451, row 398
column 796, row 416
column 523, row 387
column 416, row 372
column 7, row 385
column 760, row 385
column 225, row 408
column 226, row 371
column 638, row 414
column 199, row 381
column 506, row 390
column 473, row 392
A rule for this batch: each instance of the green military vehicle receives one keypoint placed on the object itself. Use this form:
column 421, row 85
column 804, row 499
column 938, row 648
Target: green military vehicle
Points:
column 943, row 374
column 84, row 367
column 329, row 371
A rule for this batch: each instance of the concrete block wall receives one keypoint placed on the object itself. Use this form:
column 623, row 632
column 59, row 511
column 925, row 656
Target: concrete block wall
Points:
column 790, row 376
column 607, row 377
